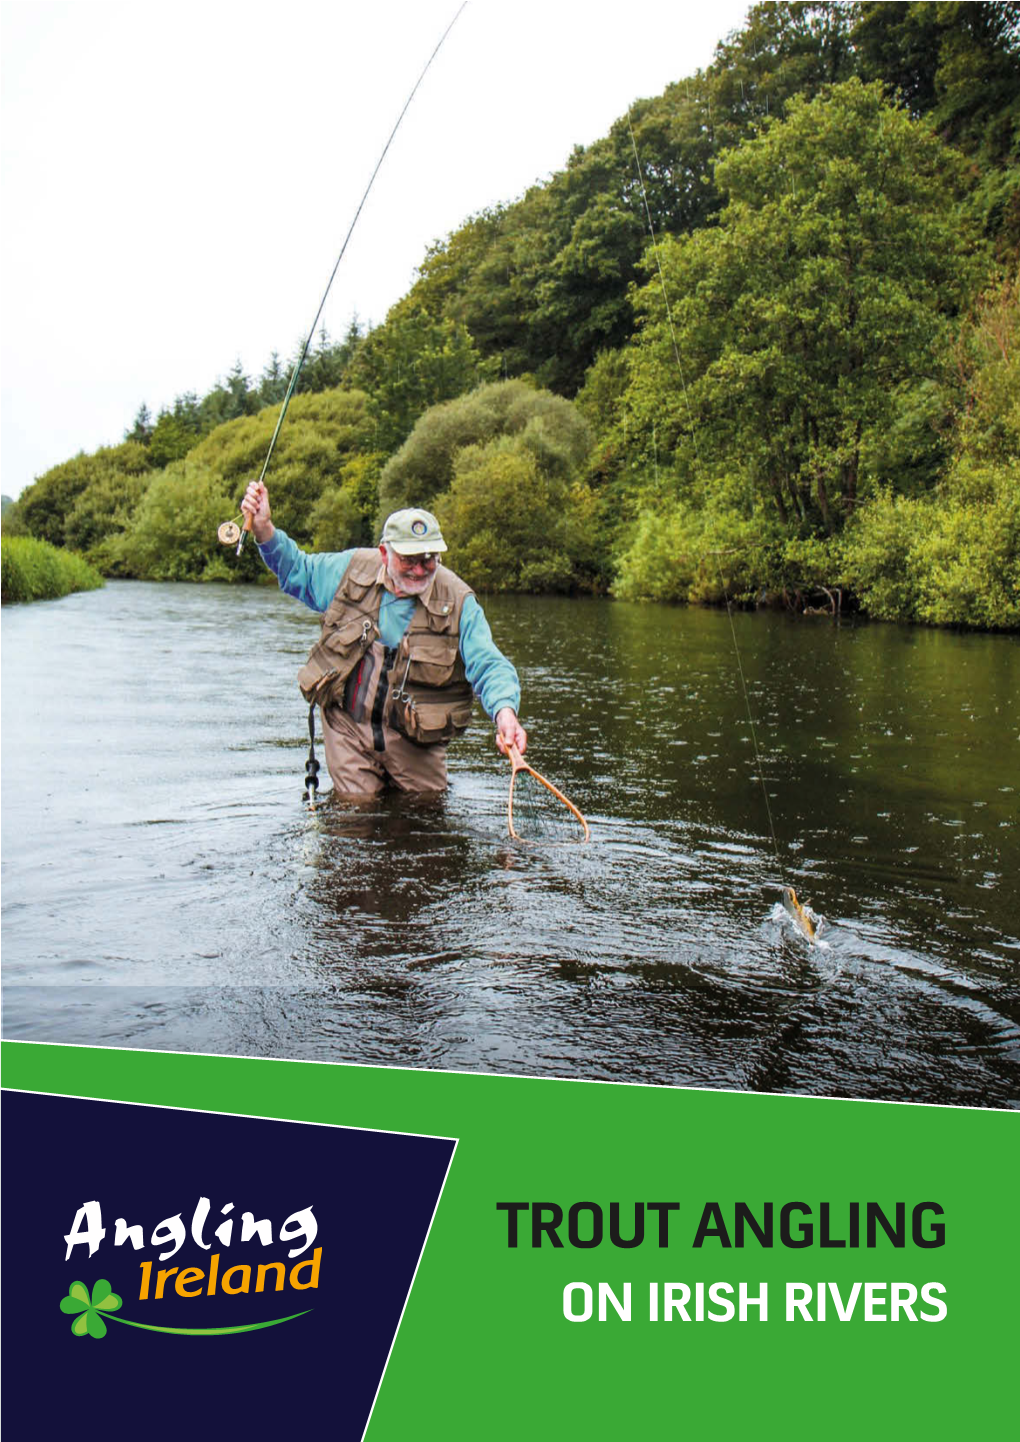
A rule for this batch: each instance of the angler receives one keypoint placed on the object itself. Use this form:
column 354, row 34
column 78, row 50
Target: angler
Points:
column 405, row 647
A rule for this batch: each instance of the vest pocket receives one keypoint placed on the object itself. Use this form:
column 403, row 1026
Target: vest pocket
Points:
column 430, row 721
column 349, row 636
column 333, row 657
column 432, row 658
column 353, row 594
column 316, row 680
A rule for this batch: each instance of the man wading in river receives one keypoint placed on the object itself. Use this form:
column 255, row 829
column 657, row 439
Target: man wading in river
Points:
column 404, row 646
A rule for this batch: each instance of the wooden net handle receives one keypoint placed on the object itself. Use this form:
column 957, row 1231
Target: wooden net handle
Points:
column 517, row 764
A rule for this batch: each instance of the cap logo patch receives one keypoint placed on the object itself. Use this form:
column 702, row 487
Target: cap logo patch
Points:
column 418, row 528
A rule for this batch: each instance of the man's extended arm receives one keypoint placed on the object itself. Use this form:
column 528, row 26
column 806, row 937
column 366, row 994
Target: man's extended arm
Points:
column 312, row 579
column 491, row 676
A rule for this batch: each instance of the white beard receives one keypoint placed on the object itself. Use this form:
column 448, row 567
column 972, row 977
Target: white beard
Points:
column 407, row 585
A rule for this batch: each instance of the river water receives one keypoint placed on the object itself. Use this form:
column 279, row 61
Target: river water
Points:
column 164, row 887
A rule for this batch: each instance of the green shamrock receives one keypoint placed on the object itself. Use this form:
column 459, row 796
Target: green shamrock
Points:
column 103, row 1299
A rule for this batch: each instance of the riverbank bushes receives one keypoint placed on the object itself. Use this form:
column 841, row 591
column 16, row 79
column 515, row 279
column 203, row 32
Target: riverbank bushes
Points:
column 951, row 556
column 952, row 559
column 504, row 468
column 32, row 570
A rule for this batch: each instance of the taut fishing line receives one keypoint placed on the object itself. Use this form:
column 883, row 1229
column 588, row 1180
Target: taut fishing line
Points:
column 801, row 917
column 228, row 537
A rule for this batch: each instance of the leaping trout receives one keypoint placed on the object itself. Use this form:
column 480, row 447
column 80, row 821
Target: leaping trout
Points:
column 801, row 919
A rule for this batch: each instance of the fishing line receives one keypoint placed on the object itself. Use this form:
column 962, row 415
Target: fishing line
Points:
column 304, row 349
column 690, row 416
column 750, row 717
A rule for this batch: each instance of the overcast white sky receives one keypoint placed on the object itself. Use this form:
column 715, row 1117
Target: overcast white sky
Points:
column 177, row 178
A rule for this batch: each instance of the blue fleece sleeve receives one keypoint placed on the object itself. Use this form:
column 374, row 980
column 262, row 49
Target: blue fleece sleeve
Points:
column 491, row 676
column 312, row 579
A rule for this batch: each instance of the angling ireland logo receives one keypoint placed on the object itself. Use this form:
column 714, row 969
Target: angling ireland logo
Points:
column 219, row 1275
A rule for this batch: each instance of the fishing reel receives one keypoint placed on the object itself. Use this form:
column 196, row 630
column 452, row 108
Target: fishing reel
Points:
column 230, row 533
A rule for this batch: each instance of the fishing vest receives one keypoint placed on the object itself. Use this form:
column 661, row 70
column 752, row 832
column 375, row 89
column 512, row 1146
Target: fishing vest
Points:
column 428, row 698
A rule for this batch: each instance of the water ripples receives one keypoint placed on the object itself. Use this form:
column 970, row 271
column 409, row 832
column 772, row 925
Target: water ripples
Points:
column 164, row 888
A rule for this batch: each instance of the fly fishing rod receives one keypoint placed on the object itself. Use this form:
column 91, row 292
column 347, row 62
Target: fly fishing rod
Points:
column 801, row 917
column 229, row 531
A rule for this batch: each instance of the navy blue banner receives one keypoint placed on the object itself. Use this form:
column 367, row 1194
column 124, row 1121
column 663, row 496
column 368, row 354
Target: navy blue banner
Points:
column 178, row 1273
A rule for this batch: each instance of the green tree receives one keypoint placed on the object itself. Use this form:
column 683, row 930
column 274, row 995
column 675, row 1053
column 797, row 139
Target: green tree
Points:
column 335, row 521
column 323, row 431
column 410, row 363
column 172, row 534
column 960, row 63
column 141, row 431
column 952, row 557
column 172, row 438
column 803, row 320
column 504, row 467
column 550, row 426
column 45, row 506
column 512, row 525
column 101, row 513
column 344, row 515
column 327, row 364
column 273, row 382
column 543, row 284
column 450, row 266
column 11, row 522
column 243, row 401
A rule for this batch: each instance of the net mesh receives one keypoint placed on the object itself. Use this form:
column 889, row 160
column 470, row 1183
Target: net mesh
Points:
column 537, row 814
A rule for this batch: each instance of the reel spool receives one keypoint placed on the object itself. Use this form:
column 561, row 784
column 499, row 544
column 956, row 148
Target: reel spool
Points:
column 229, row 533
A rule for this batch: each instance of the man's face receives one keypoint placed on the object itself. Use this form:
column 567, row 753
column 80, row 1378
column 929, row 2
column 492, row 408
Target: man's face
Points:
column 410, row 574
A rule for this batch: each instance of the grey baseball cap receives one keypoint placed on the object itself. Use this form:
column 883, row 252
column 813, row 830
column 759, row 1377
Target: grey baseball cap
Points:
column 412, row 532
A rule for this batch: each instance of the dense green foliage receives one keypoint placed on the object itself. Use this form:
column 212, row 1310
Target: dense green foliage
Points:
column 503, row 466
column 951, row 556
column 542, row 423
column 33, row 570
column 323, row 433
column 757, row 341
column 102, row 484
column 411, row 363
column 803, row 323
column 172, row 535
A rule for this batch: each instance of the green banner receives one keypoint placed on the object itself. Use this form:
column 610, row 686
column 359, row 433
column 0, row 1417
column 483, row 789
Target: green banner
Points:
column 685, row 1262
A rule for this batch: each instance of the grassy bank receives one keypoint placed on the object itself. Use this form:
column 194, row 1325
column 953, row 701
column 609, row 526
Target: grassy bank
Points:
column 33, row 570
